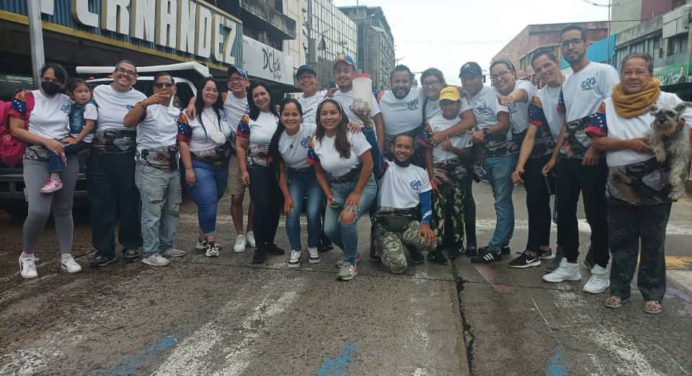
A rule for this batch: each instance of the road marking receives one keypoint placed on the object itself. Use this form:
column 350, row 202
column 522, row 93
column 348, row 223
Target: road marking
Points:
column 679, row 262
column 632, row 362
column 556, row 366
column 337, row 365
column 148, row 353
column 488, row 275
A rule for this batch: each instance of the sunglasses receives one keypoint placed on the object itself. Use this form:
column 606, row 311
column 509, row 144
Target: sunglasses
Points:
column 160, row 85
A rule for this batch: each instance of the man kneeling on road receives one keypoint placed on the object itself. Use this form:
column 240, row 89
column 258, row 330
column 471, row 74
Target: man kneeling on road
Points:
column 403, row 188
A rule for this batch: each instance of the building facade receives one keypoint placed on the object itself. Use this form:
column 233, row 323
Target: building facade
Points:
column 375, row 52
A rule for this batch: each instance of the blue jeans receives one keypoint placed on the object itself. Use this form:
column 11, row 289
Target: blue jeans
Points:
column 499, row 171
column 300, row 185
column 210, row 184
column 56, row 163
column 346, row 235
column 161, row 194
column 267, row 201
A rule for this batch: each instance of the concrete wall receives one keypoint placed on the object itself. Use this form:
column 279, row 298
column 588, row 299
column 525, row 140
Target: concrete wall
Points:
column 296, row 48
column 625, row 14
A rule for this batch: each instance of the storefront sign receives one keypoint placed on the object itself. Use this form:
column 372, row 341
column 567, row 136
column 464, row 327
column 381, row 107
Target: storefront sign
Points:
column 267, row 62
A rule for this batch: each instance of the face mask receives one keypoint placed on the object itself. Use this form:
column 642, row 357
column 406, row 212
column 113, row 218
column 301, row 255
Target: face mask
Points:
column 50, row 88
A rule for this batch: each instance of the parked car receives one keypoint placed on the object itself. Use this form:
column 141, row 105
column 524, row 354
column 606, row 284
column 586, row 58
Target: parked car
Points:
column 186, row 75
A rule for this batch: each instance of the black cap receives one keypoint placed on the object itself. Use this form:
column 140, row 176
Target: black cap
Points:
column 233, row 69
column 303, row 69
column 471, row 69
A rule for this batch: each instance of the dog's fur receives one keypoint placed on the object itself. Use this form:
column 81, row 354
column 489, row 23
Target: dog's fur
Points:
column 669, row 140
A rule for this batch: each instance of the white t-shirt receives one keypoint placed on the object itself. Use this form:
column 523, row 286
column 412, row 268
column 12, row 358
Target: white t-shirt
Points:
column 90, row 113
column 262, row 129
column 159, row 128
column 402, row 115
column 584, row 91
column 519, row 111
column 330, row 159
column 432, row 109
column 345, row 99
column 550, row 96
column 440, row 123
column 294, row 148
column 485, row 107
column 235, row 108
column 620, row 128
column 400, row 187
column 309, row 106
column 201, row 140
column 50, row 116
column 114, row 105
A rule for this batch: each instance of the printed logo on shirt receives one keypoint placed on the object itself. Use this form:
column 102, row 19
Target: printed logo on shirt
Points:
column 589, row 83
column 413, row 105
column 483, row 108
column 415, row 185
column 66, row 108
column 130, row 106
column 305, row 142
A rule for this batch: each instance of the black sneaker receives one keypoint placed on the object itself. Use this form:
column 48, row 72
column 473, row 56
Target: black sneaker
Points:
column 325, row 247
column 486, row 257
column 437, row 257
column 131, row 254
column 259, row 257
column 589, row 259
column 274, row 249
column 505, row 250
column 100, row 260
column 525, row 260
column 416, row 256
column 546, row 254
column 471, row 251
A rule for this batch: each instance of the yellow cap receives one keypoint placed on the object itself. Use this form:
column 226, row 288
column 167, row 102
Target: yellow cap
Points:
column 450, row 93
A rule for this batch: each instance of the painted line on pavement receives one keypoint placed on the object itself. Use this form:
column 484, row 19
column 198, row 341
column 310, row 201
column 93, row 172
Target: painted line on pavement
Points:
column 679, row 262
column 337, row 365
column 148, row 353
column 633, row 362
column 488, row 275
column 556, row 366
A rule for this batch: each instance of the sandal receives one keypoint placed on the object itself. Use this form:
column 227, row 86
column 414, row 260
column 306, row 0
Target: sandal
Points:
column 653, row 307
column 615, row 302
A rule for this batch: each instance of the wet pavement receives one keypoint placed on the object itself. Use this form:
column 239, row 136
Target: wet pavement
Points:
column 224, row 316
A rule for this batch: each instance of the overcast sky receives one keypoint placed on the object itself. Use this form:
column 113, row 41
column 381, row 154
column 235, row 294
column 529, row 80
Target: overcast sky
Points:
column 447, row 33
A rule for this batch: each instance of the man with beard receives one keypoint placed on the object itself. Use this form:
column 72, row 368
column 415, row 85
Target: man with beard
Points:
column 583, row 168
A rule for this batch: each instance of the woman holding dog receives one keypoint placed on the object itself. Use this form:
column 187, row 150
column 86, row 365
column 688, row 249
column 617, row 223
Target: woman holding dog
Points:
column 638, row 188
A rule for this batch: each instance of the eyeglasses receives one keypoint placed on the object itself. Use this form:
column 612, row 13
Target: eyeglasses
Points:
column 571, row 42
column 431, row 83
column 160, row 85
column 126, row 71
column 236, row 79
column 496, row 77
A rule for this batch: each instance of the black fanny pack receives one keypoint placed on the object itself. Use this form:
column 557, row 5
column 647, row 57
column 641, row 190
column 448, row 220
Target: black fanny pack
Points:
column 395, row 220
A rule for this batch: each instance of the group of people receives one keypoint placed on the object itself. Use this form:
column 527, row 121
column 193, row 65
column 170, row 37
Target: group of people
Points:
column 408, row 158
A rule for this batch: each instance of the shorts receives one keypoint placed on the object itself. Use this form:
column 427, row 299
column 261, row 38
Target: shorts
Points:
column 235, row 182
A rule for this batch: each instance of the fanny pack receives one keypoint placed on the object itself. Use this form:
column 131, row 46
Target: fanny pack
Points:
column 114, row 141
column 217, row 156
column 349, row 176
column 162, row 158
column 396, row 220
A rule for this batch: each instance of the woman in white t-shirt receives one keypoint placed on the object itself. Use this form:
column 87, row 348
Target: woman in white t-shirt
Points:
column 46, row 113
column 343, row 164
column 204, row 150
column 257, row 170
column 289, row 146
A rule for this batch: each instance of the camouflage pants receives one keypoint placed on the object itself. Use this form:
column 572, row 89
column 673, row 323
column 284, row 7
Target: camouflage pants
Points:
column 448, row 213
column 392, row 245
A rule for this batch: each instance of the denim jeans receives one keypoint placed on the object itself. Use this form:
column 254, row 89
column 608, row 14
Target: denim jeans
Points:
column 210, row 184
column 55, row 162
column 300, row 185
column 499, row 171
column 346, row 235
column 267, row 201
column 113, row 199
column 161, row 194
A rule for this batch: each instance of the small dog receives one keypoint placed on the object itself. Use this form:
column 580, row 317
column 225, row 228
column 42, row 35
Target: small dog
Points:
column 669, row 140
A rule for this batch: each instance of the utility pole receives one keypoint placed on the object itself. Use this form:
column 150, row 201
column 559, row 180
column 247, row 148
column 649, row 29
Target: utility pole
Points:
column 38, row 57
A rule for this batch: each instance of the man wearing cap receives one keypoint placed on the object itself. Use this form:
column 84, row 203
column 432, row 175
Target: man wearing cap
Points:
column 492, row 120
column 343, row 69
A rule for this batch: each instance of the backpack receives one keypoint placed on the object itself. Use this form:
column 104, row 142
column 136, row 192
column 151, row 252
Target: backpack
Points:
column 11, row 149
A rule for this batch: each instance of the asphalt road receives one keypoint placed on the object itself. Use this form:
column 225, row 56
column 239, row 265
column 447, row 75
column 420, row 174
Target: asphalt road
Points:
column 224, row 316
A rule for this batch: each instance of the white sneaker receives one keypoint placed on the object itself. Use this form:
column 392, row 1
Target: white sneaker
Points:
column 69, row 265
column 156, row 260
column 251, row 239
column 200, row 245
column 599, row 280
column 240, row 243
column 212, row 250
column 347, row 272
column 294, row 261
column 27, row 267
column 313, row 256
column 567, row 271
column 173, row 252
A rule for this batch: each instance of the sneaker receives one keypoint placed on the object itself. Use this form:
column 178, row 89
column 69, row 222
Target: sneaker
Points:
column 599, row 280
column 436, row 257
column 250, row 236
column 347, row 272
column 416, row 256
column 589, row 259
column 51, row 185
column 240, row 243
column 504, row 251
column 559, row 255
column 567, row 271
column 201, row 244
column 525, row 260
column 314, row 255
column 341, row 263
column 486, row 257
column 131, row 254
column 294, row 260
column 212, row 250
column 69, row 265
column 100, row 260
column 173, row 252
column 156, row 260
column 325, row 245
column 259, row 257
column 27, row 267
column 274, row 249
column 471, row 251
column 546, row 254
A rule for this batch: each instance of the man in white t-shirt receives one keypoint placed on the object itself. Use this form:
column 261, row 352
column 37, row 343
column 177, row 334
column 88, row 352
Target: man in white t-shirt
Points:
column 113, row 196
column 156, row 170
column 582, row 168
column 343, row 69
column 397, row 224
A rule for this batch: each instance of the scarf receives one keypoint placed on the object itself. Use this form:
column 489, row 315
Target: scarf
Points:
column 633, row 105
